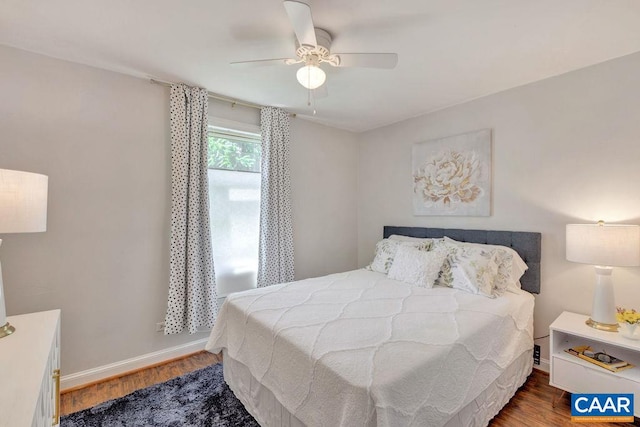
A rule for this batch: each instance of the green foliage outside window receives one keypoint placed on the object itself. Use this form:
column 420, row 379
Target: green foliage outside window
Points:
column 232, row 154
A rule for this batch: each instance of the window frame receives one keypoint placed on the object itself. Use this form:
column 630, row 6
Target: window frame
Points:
column 234, row 131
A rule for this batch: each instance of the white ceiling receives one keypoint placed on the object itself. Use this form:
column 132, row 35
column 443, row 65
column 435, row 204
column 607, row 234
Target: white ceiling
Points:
column 450, row 51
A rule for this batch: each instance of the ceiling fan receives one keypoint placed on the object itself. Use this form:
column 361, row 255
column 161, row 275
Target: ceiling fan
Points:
column 314, row 48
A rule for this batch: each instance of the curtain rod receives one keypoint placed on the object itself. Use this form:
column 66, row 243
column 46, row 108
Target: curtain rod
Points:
column 232, row 101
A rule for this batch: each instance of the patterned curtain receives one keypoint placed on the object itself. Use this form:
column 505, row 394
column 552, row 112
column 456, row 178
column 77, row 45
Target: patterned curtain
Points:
column 276, row 231
column 192, row 292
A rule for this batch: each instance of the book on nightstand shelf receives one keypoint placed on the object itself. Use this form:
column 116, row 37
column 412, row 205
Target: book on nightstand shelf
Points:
column 601, row 359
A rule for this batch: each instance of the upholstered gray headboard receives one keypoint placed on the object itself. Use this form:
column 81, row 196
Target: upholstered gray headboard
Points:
column 527, row 244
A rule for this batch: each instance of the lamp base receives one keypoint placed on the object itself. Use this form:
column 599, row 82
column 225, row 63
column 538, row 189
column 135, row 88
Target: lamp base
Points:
column 7, row 329
column 609, row 327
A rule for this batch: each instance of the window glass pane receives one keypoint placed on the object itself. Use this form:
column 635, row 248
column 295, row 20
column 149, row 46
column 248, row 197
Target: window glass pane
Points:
column 239, row 152
column 234, row 198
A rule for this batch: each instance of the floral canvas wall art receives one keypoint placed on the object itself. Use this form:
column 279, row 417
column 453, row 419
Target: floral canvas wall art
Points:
column 452, row 175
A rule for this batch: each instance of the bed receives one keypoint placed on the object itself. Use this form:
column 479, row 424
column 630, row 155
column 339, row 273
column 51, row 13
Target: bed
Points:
column 360, row 349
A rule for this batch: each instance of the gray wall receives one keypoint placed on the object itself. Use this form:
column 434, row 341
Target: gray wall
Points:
column 103, row 139
column 565, row 150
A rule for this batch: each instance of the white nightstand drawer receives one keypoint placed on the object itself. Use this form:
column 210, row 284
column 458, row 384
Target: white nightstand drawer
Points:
column 578, row 378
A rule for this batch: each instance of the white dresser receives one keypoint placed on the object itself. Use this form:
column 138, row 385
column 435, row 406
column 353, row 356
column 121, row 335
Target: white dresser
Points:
column 30, row 371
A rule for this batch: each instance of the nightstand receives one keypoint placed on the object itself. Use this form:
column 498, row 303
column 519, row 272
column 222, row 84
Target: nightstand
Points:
column 575, row 375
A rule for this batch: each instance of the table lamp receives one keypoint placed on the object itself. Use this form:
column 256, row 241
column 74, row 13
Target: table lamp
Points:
column 603, row 246
column 23, row 209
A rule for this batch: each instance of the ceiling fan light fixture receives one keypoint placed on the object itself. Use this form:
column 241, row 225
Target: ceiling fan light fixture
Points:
column 311, row 76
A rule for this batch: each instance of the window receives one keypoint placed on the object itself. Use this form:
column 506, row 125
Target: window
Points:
column 234, row 199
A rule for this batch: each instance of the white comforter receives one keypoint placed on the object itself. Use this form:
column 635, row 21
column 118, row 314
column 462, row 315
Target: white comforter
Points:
column 359, row 349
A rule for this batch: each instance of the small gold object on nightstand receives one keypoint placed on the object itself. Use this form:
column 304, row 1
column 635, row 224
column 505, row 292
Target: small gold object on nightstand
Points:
column 609, row 327
column 6, row 330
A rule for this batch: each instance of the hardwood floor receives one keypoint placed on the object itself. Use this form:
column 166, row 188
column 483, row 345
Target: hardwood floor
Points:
column 532, row 406
column 75, row 400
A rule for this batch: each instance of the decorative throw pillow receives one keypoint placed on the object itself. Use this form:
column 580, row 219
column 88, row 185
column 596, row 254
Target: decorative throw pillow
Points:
column 510, row 266
column 469, row 268
column 417, row 267
column 386, row 251
column 505, row 268
column 475, row 271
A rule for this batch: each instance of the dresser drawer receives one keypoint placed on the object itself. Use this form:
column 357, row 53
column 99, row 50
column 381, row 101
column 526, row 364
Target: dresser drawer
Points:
column 29, row 364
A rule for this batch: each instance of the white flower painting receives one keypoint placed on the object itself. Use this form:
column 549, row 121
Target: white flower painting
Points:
column 452, row 175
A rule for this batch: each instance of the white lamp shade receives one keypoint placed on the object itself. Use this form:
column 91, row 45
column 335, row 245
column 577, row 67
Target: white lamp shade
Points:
column 23, row 202
column 311, row 76
column 603, row 244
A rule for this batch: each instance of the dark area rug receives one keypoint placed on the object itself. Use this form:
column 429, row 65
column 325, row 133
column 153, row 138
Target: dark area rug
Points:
column 200, row 398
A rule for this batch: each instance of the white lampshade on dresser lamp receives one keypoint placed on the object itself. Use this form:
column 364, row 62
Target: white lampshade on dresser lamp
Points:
column 23, row 209
column 604, row 246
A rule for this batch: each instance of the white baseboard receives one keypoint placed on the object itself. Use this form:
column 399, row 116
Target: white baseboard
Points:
column 543, row 366
column 118, row 368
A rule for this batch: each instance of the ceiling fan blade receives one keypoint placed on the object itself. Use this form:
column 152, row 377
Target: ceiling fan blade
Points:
column 368, row 60
column 260, row 63
column 300, row 17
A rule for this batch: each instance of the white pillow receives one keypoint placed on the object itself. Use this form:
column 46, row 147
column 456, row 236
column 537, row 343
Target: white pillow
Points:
column 386, row 251
column 514, row 287
column 417, row 267
column 400, row 238
column 469, row 268
column 510, row 266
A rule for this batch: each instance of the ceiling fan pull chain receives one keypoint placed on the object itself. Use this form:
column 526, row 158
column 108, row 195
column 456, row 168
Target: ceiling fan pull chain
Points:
column 313, row 102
